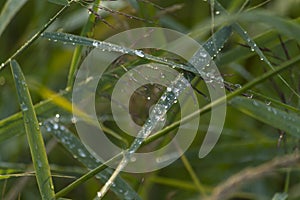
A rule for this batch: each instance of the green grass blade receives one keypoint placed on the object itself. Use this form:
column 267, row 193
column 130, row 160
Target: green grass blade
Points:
column 77, row 52
column 288, row 122
column 244, row 35
column 285, row 26
column 74, row 39
column 34, row 136
column 80, row 153
column 216, row 42
column 13, row 125
column 9, row 10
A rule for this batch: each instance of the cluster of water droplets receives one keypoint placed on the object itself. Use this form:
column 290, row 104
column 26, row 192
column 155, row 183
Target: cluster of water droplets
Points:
column 204, row 60
column 159, row 110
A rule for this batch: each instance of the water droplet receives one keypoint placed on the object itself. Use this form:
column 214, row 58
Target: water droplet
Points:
column 250, row 96
column 148, row 98
column 252, row 49
column 73, row 120
column 99, row 194
column 48, row 129
column 139, row 53
column 54, row 40
column 24, row 107
column 95, row 43
column 255, row 103
column 42, row 35
column 169, row 89
column 238, row 86
column 55, row 126
column 268, row 103
column 261, row 58
column 39, row 163
column 217, row 12
column 2, row 65
column 203, row 54
column 132, row 159
column 81, row 153
column 56, row 118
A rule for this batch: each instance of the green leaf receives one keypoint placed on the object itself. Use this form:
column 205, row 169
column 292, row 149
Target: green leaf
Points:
column 288, row 122
column 34, row 136
column 9, row 10
column 285, row 26
column 280, row 196
column 60, row 2
column 106, row 46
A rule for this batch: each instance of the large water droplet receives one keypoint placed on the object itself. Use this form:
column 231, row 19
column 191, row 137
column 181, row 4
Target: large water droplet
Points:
column 95, row 43
column 99, row 194
column 139, row 53
column 55, row 126
column 24, row 107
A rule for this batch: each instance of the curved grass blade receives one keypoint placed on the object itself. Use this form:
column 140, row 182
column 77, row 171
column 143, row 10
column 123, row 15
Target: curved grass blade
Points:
column 252, row 44
column 233, row 183
column 288, row 122
column 9, row 10
column 201, row 111
column 285, row 26
column 213, row 45
column 34, row 136
column 74, row 39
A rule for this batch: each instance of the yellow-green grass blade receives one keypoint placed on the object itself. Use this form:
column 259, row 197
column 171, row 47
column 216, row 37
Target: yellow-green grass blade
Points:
column 34, row 136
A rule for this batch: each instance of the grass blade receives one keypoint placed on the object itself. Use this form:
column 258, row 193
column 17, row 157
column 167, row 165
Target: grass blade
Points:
column 9, row 10
column 288, row 122
column 77, row 52
column 78, row 150
column 34, row 136
column 74, row 39
column 285, row 26
column 244, row 35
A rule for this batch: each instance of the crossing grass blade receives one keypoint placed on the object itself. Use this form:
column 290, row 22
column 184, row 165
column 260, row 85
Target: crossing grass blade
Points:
column 254, row 47
column 34, row 136
column 288, row 122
